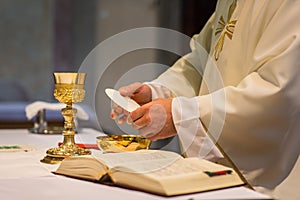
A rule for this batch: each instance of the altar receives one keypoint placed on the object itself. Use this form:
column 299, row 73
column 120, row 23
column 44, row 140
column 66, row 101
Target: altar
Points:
column 23, row 176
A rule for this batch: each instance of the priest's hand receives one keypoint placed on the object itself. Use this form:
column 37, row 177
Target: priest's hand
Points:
column 139, row 92
column 154, row 120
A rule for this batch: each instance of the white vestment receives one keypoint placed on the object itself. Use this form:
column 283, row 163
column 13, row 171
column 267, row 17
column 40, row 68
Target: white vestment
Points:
column 248, row 92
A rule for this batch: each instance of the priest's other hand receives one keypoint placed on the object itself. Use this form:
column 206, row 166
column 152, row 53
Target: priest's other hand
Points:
column 154, row 120
column 139, row 92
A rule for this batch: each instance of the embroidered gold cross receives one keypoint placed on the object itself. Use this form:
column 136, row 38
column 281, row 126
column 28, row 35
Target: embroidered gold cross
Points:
column 226, row 29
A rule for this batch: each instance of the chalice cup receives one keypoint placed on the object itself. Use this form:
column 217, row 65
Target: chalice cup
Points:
column 69, row 89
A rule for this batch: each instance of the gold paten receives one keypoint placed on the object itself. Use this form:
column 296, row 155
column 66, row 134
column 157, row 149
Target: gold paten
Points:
column 69, row 89
column 121, row 143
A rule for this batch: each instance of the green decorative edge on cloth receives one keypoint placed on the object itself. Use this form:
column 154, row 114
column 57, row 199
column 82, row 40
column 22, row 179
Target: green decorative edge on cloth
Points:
column 16, row 148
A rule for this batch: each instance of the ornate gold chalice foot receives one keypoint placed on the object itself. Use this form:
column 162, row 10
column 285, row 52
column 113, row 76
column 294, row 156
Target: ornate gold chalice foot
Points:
column 69, row 89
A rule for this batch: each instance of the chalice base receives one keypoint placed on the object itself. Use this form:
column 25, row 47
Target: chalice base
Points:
column 57, row 154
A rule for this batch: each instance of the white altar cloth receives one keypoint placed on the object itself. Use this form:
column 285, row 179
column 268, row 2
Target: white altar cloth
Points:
column 23, row 176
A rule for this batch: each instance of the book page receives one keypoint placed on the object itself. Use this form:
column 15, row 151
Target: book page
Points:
column 178, row 177
column 171, row 167
column 142, row 159
column 189, row 166
column 181, row 167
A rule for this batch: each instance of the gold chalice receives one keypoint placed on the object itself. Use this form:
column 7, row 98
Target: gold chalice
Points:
column 69, row 89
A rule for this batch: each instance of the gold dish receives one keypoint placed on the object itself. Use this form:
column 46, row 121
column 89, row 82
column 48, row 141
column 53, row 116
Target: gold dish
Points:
column 121, row 143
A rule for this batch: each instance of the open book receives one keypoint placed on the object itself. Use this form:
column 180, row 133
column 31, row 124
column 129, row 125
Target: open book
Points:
column 155, row 171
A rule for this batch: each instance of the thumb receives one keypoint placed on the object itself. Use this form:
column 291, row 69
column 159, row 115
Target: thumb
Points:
column 142, row 95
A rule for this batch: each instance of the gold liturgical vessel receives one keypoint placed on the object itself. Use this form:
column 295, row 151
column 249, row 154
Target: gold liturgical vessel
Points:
column 69, row 89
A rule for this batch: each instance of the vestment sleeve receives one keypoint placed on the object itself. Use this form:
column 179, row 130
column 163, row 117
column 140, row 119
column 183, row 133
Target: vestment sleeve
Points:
column 182, row 82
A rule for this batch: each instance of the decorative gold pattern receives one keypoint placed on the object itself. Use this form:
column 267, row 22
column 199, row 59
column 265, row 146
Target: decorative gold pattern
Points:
column 69, row 93
column 226, row 29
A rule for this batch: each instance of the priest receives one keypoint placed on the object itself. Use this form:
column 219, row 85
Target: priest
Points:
column 239, row 87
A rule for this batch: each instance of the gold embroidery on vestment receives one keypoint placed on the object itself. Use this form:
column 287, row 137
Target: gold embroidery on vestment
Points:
column 226, row 29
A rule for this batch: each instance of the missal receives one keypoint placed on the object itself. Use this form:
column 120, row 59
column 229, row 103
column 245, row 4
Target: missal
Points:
column 156, row 171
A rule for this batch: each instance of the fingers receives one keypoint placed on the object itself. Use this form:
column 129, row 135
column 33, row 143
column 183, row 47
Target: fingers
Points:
column 149, row 119
column 138, row 113
column 142, row 95
column 116, row 111
column 129, row 89
column 153, row 120
column 141, row 122
column 140, row 117
column 120, row 113
column 122, row 119
column 113, row 114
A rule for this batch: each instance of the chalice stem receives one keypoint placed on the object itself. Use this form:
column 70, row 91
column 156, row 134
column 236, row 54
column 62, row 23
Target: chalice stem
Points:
column 69, row 114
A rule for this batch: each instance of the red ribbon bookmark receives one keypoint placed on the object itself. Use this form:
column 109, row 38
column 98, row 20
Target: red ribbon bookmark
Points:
column 218, row 173
column 86, row 146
